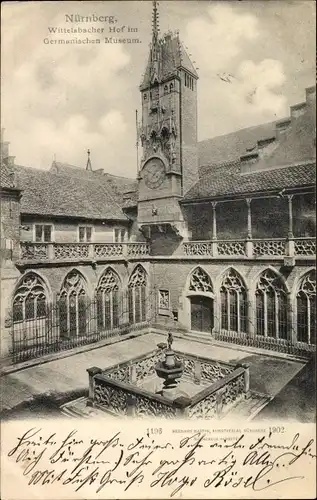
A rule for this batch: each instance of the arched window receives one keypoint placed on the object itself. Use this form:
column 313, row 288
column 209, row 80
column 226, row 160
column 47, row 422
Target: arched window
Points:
column 271, row 306
column 107, row 295
column 73, row 306
column 306, row 309
column 200, row 281
column 137, row 295
column 234, row 304
column 30, row 302
column 165, row 89
column 171, row 87
column 144, row 97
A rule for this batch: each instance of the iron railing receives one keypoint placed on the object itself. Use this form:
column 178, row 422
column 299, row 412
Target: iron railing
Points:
column 265, row 342
column 63, row 328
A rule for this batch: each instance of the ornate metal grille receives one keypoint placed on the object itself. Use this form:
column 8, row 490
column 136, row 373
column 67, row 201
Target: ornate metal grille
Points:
column 234, row 305
column 107, row 296
column 306, row 309
column 200, row 281
column 271, row 306
column 137, row 295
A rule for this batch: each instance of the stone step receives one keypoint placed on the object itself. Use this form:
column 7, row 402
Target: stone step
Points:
column 251, row 406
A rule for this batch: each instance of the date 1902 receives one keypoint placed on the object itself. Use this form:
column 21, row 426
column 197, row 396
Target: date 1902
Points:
column 276, row 429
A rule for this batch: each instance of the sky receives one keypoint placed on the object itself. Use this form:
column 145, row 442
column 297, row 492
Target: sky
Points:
column 59, row 100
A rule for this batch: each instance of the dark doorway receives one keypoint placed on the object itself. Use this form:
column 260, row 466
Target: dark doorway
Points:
column 202, row 313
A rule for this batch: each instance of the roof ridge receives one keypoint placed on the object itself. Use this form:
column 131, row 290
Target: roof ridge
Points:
column 242, row 130
column 281, row 167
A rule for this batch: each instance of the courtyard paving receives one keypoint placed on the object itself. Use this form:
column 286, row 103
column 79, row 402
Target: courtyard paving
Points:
column 60, row 379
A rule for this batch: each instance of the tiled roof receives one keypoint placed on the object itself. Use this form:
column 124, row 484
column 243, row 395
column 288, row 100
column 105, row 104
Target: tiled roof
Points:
column 231, row 146
column 116, row 184
column 47, row 193
column 7, row 178
column 226, row 180
column 295, row 144
column 172, row 56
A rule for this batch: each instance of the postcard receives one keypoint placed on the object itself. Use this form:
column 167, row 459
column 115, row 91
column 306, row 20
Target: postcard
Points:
column 158, row 283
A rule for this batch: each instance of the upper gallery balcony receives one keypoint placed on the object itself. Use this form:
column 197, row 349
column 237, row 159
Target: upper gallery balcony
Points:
column 80, row 252
column 269, row 248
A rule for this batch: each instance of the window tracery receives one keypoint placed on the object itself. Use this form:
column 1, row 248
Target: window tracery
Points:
column 73, row 306
column 271, row 306
column 137, row 295
column 200, row 281
column 107, row 296
column 234, row 305
column 30, row 300
column 306, row 309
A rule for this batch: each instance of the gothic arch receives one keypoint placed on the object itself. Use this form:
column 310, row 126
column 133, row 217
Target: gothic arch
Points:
column 272, row 305
column 84, row 278
column 138, row 269
column 137, row 295
column 74, row 305
column 254, row 279
column 108, row 300
column 233, row 301
column 30, row 298
column 219, row 279
column 112, row 270
column 199, row 282
column 305, row 308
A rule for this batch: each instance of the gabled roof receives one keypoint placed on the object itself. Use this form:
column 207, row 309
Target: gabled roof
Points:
column 226, row 179
column 171, row 57
column 57, row 194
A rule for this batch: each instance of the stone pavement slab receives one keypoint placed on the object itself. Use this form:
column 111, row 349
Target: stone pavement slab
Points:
column 268, row 375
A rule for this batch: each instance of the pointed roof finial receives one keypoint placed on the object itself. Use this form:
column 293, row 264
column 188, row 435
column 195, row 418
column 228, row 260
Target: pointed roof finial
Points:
column 88, row 165
column 155, row 29
column 155, row 20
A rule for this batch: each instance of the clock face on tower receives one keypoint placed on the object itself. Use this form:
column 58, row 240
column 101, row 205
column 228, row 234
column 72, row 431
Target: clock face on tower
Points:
column 154, row 173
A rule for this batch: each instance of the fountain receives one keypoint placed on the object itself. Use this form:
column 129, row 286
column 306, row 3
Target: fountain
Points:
column 170, row 369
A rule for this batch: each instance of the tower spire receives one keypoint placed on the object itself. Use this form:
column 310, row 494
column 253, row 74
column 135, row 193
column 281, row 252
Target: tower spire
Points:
column 155, row 30
column 88, row 165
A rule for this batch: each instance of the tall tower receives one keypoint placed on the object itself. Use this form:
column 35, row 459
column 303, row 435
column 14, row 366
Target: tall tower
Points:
column 169, row 165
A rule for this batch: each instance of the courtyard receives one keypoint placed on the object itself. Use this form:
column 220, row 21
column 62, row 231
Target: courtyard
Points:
column 40, row 388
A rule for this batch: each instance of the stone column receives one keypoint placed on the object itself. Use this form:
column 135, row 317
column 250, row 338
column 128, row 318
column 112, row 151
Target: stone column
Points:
column 290, row 247
column 249, row 243
column 197, row 372
column 290, row 215
column 132, row 374
column 131, row 401
column 50, row 251
column 214, row 229
column 91, row 251
column 246, row 368
column 182, row 404
column 94, row 370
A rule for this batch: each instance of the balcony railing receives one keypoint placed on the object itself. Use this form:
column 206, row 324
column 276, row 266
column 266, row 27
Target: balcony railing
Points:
column 299, row 248
column 255, row 248
column 82, row 251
